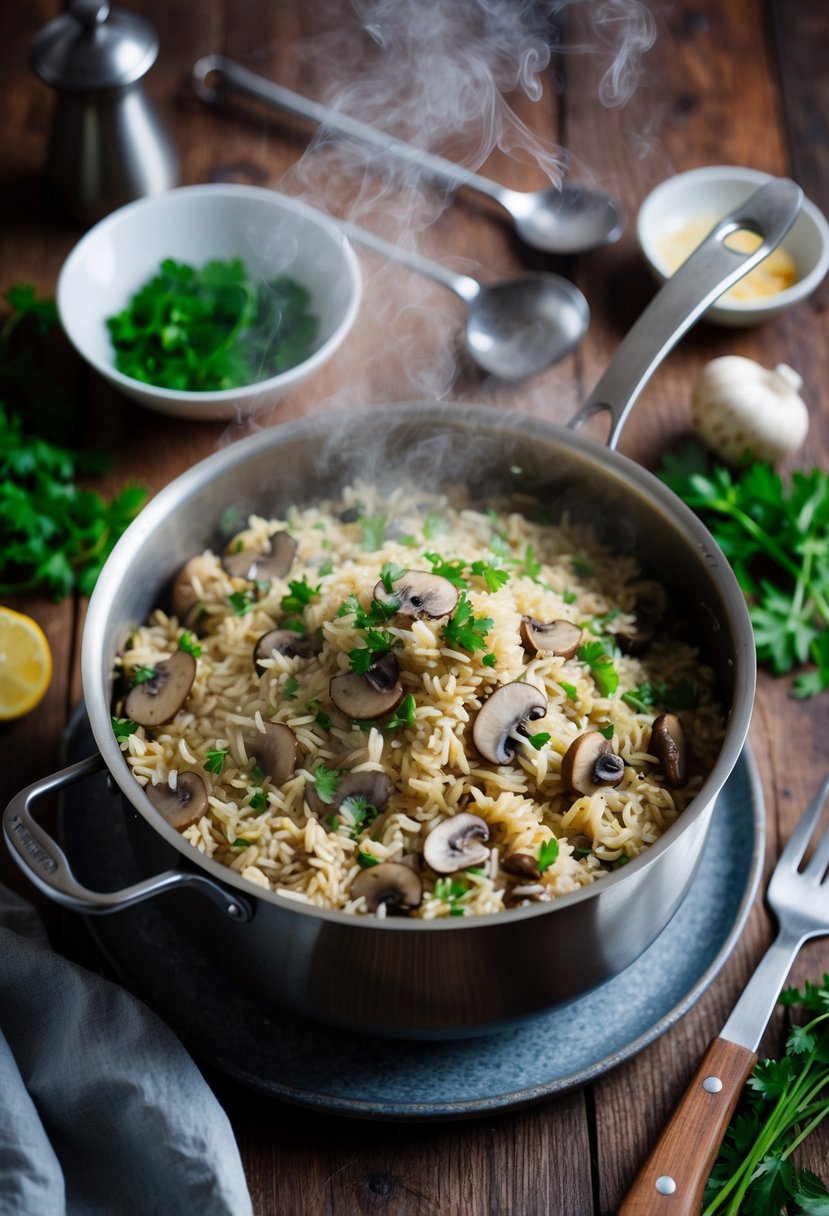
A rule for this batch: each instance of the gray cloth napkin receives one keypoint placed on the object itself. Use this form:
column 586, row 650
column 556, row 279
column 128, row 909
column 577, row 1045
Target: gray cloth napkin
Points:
column 102, row 1112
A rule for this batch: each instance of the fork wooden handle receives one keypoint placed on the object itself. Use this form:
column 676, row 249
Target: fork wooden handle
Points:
column 672, row 1180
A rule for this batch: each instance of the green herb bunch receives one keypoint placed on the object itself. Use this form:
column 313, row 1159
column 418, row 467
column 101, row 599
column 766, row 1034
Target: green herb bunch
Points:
column 212, row 328
column 776, row 537
column 784, row 1102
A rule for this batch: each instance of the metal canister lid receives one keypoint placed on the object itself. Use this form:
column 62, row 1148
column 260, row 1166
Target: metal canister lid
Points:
column 91, row 47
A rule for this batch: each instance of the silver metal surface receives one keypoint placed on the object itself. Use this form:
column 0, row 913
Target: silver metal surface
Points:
column 570, row 219
column 107, row 146
column 516, row 327
column 800, row 901
column 707, row 273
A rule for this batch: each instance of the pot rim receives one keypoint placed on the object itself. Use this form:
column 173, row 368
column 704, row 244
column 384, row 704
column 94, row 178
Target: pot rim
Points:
column 472, row 416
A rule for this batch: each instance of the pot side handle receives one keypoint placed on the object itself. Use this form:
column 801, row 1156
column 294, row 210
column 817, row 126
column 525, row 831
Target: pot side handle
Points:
column 47, row 866
column 710, row 270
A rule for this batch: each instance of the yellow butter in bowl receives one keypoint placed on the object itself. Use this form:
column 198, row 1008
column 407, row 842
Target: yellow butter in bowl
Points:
column 774, row 274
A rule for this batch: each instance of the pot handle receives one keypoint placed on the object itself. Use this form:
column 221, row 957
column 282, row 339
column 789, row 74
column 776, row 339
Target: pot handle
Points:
column 710, row 270
column 47, row 866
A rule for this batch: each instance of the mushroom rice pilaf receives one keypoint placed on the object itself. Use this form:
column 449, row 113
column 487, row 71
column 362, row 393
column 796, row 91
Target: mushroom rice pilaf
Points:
column 394, row 704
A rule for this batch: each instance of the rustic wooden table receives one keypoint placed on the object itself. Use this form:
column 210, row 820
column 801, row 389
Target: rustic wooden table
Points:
column 737, row 83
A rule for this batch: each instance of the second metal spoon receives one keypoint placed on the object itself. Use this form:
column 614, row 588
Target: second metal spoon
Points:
column 515, row 327
column 571, row 219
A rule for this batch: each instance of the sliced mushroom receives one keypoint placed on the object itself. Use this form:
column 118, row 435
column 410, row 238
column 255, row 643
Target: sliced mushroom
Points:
column 159, row 699
column 522, row 865
column 287, row 642
column 272, row 562
column 182, row 806
column 372, row 695
column 668, row 745
column 589, row 764
column 456, row 843
column 651, row 603
column 375, row 788
column 392, row 884
column 558, row 637
column 420, row 594
column 184, row 599
column 276, row 751
column 499, row 724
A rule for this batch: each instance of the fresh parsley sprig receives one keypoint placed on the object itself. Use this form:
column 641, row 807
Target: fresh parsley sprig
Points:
column 776, row 537
column 465, row 630
column 784, row 1101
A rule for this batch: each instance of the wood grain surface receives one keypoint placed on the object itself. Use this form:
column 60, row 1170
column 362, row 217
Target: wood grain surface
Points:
column 741, row 83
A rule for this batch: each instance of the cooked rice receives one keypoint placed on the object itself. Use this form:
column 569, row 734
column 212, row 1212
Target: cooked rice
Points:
column 555, row 572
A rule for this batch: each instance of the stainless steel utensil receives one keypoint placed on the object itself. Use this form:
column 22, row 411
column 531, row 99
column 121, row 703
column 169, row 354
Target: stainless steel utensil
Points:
column 673, row 1178
column 515, row 327
column 568, row 219
column 107, row 145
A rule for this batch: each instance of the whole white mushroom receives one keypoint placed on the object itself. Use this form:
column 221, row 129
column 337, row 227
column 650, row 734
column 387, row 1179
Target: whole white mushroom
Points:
column 738, row 406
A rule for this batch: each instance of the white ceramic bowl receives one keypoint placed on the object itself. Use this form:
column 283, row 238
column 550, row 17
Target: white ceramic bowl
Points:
column 712, row 192
column 271, row 233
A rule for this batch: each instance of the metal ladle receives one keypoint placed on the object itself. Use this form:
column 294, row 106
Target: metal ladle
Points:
column 570, row 219
column 515, row 327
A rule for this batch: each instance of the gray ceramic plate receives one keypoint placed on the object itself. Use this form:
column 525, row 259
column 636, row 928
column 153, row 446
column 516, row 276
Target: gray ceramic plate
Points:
column 348, row 1074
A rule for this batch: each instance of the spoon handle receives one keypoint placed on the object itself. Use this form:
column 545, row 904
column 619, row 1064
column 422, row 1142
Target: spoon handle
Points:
column 710, row 270
column 463, row 285
column 215, row 76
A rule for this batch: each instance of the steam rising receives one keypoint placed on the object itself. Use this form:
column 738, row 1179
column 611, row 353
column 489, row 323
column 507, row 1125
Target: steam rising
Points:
column 439, row 74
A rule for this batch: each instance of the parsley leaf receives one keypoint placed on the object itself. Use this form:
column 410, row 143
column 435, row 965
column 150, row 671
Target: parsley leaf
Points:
column 188, row 643
column 451, row 568
column 372, row 532
column 142, row 674
column 242, row 602
column 538, row 741
column 390, row 574
column 123, row 728
column 598, row 657
column 492, row 575
column 434, row 525
column 404, row 715
column 547, row 854
column 289, row 688
column 301, row 593
column 465, row 630
column 215, row 758
column 377, row 642
column 326, row 781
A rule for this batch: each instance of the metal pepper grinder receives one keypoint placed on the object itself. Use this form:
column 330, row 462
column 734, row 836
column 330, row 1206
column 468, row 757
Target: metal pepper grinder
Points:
column 107, row 145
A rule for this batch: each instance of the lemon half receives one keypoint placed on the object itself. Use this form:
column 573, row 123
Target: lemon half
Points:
column 25, row 663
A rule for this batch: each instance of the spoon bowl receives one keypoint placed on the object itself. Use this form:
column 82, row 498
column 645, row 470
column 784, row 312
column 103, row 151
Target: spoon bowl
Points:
column 571, row 219
column 519, row 327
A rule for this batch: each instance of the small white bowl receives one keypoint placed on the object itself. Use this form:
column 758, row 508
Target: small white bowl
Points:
column 272, row 234
column 712, row 192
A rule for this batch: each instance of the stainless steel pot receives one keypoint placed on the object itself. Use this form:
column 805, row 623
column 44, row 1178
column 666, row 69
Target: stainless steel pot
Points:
column 457, row 976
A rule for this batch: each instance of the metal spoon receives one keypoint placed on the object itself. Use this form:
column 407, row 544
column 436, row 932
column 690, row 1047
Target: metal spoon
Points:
column 572, row 219
column 515, row 327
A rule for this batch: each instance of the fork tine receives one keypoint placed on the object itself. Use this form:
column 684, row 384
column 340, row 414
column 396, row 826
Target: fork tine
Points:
column 802, row 834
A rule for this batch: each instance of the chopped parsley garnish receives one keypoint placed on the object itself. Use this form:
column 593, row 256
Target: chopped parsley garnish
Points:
column 372, row 532
column 377, row 642
column 141, row 674
column 465, row 630
column 295, row 623
column 570, row 689
column 547, row 854
column 325, row 567
column 188, row 643
column 257, row 774
column 598, row 657
column 621, row 861
column 681, row 695
column 289, row 688
column 489, row 660
column 355, row 814
column 492, row 575
column 569, row 597
column 538, row 741
column 326, row 781
column 241, row 843
column 242, row 601
column 434, row 525
column 607, row 731
column 215, row 759
column 301, row 593
column 579, row 566
column 123, row 728
column 377, row 614
column 404, row 715
column 450, row 568
column 366, row 860
column 390, row 574
column 451, row 889
column 320, row 716
column 531, row 566
column 258, row 800
column 598, row 623
column 501, row 548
